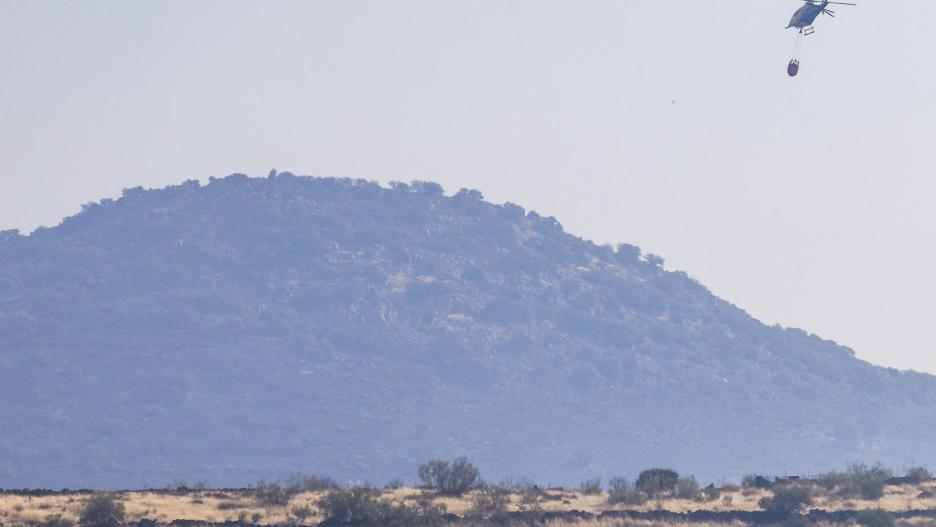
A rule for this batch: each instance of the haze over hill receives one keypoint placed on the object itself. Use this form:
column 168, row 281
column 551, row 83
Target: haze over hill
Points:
column 253, row 327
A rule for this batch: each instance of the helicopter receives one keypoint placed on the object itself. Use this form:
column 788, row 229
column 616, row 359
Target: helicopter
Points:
column 803, row 20
column 804, row 17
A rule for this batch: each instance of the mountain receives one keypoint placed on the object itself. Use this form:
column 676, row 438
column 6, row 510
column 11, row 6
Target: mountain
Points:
column 249, row 328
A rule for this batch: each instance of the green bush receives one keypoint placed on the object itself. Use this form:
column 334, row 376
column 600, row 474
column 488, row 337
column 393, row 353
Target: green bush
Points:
column 618, row 487
column 710, row 493
column 591, row 486
column 356, row 506
column 754, row 481
column 656, row 481
column 621, row 491
column 426, row 513
column 787, row 500
column 831, row 480
column 394, row 484
column 489, row 503
column 875, row 518
column 531, row 495
column 858, row 481
column 360, row 507
column 271, row 494
column 299, row 482
column 102, row 510
column 453, row 480
column 862, row 481
column 687, row 488
column 917, row 475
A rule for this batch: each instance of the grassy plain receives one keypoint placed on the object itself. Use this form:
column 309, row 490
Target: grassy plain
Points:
column 214, row 506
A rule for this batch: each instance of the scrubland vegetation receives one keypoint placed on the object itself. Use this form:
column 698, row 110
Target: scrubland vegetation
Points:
column 455, row 493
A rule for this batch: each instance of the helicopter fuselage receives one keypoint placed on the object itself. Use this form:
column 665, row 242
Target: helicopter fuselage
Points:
column 806, row 15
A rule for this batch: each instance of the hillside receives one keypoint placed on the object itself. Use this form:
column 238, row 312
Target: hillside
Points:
column 252, row 327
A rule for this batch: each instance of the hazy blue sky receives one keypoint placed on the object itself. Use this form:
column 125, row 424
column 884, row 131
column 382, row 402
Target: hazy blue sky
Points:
column 670, row 125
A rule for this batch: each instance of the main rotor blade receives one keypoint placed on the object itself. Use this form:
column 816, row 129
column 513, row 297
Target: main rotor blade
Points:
column 830, row 13
column 842, row 3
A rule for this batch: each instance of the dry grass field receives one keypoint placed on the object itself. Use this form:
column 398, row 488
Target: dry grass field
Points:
column 215, row 506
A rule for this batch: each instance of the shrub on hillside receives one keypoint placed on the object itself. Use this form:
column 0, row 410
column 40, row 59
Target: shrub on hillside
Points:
column 425, row 513
column 787, row 500
column 394, row 484
column 858, row 481
column 530, row 499
column 753, row 481
column 710, row 493
column 452, row 480
column 356, row 506
column 489, row 504
column 298, row 482
column 271, row 494
column 102, row 510
column 917, row 475
column 831, row 480
column 656, row 481
column 620, row 490
column 875, row 518
column 300, row 512
column 687, row 488
column 360, row 507
column 591, row 486
column 618, row 484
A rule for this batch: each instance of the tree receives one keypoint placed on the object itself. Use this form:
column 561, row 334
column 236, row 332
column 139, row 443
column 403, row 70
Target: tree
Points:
column 427, row 187
column 654, row 260
column 102, row 510
column 628, row 253
column 656, row 481
column 452, row 480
